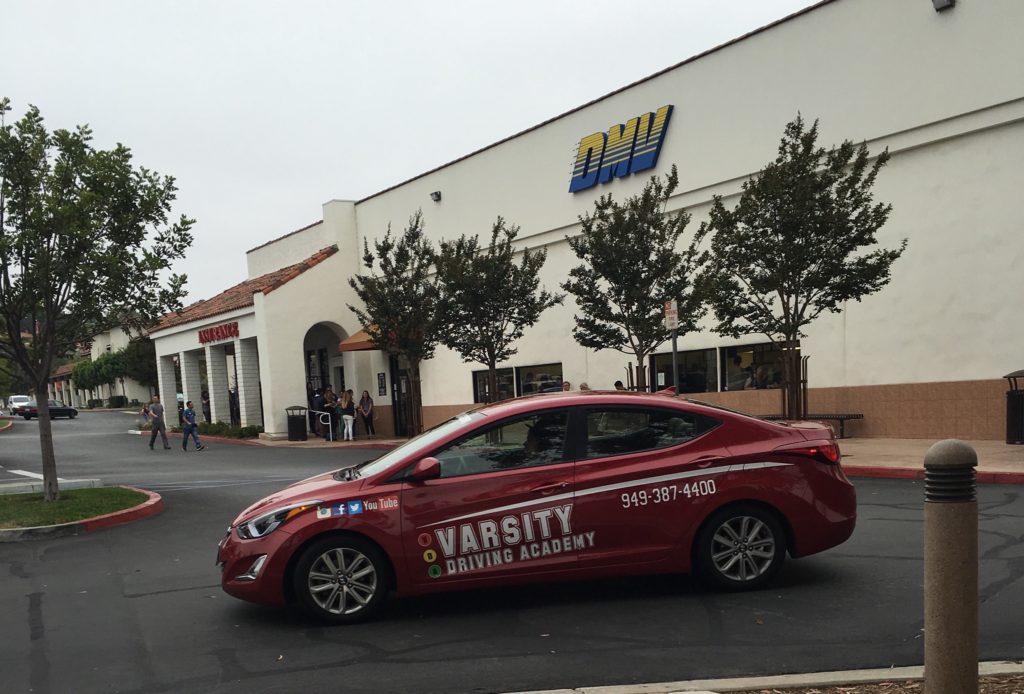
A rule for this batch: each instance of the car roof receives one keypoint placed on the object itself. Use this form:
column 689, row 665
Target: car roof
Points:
column 528, row 403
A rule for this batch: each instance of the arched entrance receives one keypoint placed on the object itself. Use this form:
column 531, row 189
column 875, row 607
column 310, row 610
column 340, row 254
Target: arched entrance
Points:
column 323, row 362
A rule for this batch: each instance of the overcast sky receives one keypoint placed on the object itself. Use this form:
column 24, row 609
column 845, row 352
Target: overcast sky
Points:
column 265, row 110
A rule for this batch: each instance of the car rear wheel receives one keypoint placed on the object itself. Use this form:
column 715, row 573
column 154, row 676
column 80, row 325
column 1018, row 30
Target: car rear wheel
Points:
column 341, row 579
column 741, row 547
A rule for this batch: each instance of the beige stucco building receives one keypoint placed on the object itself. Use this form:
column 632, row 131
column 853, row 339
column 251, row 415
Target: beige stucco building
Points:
column 942, row 91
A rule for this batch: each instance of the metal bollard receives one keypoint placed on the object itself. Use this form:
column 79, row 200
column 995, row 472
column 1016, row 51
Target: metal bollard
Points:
column 950, row 569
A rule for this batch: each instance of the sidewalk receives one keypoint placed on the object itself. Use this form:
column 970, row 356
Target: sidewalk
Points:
column 998, row 462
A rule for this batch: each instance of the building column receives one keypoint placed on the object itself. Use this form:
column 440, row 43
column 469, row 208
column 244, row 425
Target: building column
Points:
column 217, row 382
column 72, row 394
column 247, row 363
column 191, row 381
column 167, row 382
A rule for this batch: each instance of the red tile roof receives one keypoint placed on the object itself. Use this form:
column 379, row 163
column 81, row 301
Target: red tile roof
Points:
column 240, row 295
column 63, row 370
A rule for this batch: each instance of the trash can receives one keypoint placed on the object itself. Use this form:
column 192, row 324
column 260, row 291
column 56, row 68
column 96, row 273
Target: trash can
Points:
column 1014, row 409
column 296, row 422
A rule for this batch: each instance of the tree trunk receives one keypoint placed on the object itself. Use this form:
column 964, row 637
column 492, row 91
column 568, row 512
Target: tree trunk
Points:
column 641, row 378
column 51, row 492
column 492, row 383
column 416, row 400
column 792, row 375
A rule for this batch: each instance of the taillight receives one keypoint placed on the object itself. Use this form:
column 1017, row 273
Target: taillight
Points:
column 824, row 451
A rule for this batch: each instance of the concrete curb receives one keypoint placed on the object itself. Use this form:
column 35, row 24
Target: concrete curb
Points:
column 812, row 679
column 152, row 506
column 905, row 473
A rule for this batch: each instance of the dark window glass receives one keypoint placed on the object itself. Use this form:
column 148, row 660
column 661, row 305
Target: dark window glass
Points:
column 698, row 371
column 542, row 378
column 538, row 439
column 506, row 386
column 612, row 431
column 752, row 367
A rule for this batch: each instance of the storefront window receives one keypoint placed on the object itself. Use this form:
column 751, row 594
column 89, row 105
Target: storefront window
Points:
column 752, row 367
column 542, row 378
column 506, row 386
column 698, row 371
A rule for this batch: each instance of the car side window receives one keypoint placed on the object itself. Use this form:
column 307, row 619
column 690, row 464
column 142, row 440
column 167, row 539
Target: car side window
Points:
column 617, row 431
column 521, row 442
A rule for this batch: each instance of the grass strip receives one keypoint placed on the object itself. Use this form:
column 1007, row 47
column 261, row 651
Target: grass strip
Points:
column 29, row 510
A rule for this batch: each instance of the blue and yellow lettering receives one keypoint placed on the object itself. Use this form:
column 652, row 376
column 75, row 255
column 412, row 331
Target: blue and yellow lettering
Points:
column 588, row 162
column 649, row 137
column 623, row 150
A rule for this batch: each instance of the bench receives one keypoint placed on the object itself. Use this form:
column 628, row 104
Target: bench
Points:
column 841, row 418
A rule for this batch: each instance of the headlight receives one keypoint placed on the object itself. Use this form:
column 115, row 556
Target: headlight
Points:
column 266, row 523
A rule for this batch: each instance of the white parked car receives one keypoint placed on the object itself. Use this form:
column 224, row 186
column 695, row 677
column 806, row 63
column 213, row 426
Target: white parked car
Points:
column 17, row 402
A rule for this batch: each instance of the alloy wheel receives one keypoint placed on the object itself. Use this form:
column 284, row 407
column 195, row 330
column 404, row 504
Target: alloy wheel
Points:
column 342, row 581
column 743, row 548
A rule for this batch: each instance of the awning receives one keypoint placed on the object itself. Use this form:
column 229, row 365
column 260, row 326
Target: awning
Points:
column 359, row 342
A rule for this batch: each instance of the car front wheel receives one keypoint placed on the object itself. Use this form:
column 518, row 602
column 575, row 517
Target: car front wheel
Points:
column 740, row 547
column 341, row 579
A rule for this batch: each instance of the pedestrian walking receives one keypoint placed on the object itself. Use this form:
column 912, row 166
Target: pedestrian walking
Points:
column 156, row 413
column 348, row 414
column 366, row 412
column 190, row 428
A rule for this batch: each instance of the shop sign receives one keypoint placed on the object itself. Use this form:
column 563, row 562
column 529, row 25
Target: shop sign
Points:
column 220, row 332
column 623, row 150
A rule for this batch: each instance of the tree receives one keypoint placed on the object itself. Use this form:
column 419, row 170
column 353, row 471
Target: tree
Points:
column 792, row 246
column 486, row 300
column 400, row 303
column 140, row 361
column 631, row 266
column 81, row 231
column 84, row 376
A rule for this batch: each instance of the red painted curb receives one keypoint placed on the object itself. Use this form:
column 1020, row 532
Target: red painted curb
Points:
column 150, row 507
column 8, row 427
column 907, row 473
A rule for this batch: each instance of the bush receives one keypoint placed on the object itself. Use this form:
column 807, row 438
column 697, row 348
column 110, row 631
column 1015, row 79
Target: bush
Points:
column 95, row 402
column 228, row 431
column 118, row 401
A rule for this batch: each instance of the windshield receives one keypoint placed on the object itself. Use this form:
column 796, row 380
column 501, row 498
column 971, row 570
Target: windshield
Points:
column 423, row 442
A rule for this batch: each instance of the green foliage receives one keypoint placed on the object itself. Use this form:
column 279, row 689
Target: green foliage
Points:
column 794, row 245
column 400, row 301
column 108, row 367
column 81, row 230
column 226, row 430
column 94, row 402
column 140, row 361
column 118, row 401
column 28, row 510
column 486, row 300
column 631, row 266
column 84, row 375
column 400, row 314
column 791, row 248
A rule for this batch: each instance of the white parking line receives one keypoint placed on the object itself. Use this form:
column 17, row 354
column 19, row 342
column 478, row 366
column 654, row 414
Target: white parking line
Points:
column 35, row 475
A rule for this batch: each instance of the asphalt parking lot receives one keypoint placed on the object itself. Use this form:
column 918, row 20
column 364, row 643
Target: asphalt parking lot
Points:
column 138, row 608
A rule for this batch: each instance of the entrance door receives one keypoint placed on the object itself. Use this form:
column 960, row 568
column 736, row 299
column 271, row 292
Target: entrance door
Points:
column 401, row 397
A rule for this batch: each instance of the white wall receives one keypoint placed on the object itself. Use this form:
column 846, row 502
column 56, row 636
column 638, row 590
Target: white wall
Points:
column 896, row 74
column 288, row 250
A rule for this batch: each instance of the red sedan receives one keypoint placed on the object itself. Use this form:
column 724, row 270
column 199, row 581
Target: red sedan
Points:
column 548, row 487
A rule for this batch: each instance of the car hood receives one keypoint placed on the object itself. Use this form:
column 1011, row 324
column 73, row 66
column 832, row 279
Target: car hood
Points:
column 323, row 487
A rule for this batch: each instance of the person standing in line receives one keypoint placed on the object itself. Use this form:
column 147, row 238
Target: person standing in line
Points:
column 318, row 406
column 566, row 386
column 366, row 412
column 330, row 407
column 619, row 386
column 207, row 414
column 190, row 428
column 348, row 414
column 156, row 412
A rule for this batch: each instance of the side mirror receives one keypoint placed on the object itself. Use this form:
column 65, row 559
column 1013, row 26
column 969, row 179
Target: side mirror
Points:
column 426, row 469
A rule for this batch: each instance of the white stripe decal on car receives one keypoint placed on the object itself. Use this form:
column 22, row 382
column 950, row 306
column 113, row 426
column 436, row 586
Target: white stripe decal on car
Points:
column 614, row 487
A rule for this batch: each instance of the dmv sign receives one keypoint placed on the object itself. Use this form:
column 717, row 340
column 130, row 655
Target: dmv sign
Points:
column 623, row 150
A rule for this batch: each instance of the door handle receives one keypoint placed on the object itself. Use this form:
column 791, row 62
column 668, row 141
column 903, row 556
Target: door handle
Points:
column 548, row 489
column 706, row 460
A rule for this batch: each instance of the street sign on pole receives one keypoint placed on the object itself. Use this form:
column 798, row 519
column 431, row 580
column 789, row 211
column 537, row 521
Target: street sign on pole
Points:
column 672, row 323
column 671, row 315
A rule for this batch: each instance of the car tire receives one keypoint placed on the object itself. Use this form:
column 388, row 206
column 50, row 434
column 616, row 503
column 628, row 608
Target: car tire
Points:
column 72, row 415
column 27, row 417
column 341, row 580
column 740, row 547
